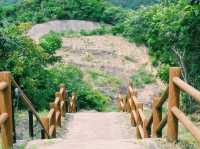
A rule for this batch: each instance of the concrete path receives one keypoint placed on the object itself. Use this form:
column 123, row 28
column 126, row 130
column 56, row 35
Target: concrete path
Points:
column 94, row 130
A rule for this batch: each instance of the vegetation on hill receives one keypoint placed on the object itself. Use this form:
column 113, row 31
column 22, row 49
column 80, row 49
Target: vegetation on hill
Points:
column 134, row 4
column 29, row 62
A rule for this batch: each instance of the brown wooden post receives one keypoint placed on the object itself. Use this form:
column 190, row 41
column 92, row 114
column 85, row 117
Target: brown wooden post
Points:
column 63, row 94
column 45, row 122
column 58, row 110
column 157, row 117
column 53, row 122
column 138, row 121
column 73, row 103
column 6, row 107
column 128, row 106
column 133, row 108
column 173, row 100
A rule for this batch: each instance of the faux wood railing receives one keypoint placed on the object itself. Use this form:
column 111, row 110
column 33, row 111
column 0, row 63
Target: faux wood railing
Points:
column 153, row 126
column 49, row 123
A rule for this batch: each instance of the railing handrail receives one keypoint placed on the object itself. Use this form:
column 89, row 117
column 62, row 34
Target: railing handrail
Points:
column 174, row 114
column 194, row 93
column 48, row 123
column 163, row 98
column 29, row 105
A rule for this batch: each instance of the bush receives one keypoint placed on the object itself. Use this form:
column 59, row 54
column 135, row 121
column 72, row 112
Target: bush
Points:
column 142, row 77
column 72, row 76
column 51, row 42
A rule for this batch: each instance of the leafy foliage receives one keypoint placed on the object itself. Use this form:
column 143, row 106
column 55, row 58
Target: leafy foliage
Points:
column 51, row 42
column 134, row 4
column 73, row 78
column 142, row 77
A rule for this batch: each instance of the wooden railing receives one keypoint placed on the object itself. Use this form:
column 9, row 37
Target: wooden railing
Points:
column 153, row 126
column 58, row 108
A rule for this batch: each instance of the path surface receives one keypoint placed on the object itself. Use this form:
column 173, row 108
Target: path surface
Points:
column 94, row 130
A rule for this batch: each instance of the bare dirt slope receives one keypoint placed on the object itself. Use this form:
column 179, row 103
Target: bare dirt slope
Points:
column 93, row 130
column 112, row 55
column 39, row 30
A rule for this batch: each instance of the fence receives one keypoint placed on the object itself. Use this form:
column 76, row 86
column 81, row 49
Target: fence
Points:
column 49, row 123
column 153, row 126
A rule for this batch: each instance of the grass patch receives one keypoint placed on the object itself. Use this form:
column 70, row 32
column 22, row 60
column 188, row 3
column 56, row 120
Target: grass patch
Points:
column 103, row 78
column 102, row 30
column 70, row 33
column 142, row 77
column 88, row 57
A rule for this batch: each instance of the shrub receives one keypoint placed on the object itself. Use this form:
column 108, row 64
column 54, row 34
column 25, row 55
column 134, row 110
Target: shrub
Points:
column 142, row 77
column 163, row 72
column 72, row 76
column 51, row 42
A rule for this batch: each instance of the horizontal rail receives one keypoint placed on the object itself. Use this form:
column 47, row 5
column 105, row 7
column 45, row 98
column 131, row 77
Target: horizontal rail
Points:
column 122, row 104
column 3, row 118
column 3, row 85
column 142, row 116
column 29, row 105
column 186, row 122
column 57, row 100
column 51, row 130
column 141, row 130
column 150, row 121
column 135, row 115
column 163, row 98
column 187, row 88
column 162, row 124
column 57, row 115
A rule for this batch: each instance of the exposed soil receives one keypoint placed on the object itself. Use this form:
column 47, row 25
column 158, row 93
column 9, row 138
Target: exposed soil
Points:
column 113, row 55
column 39, row 30
column 110, row 54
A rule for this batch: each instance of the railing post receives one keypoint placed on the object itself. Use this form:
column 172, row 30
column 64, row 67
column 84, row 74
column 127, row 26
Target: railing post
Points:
column 30, row 119
column 173, row 100
column 63, row 102
column 74, row 102
column 6, row 107
column 138, row 120
column 157, row 117
column 58, row 110
column 45, row 122
column 53, row 122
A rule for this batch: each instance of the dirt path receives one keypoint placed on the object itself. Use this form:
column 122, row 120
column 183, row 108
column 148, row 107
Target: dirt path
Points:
column 93, row 130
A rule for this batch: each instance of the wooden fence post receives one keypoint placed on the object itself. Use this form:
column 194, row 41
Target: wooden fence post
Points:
column 53, row 122
column 30, row 119
column 45, row 122
column 63, row 102
column 58, row 110
column 6, row 107
column 173, row 100
column 157, row 117
column 138, row 121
